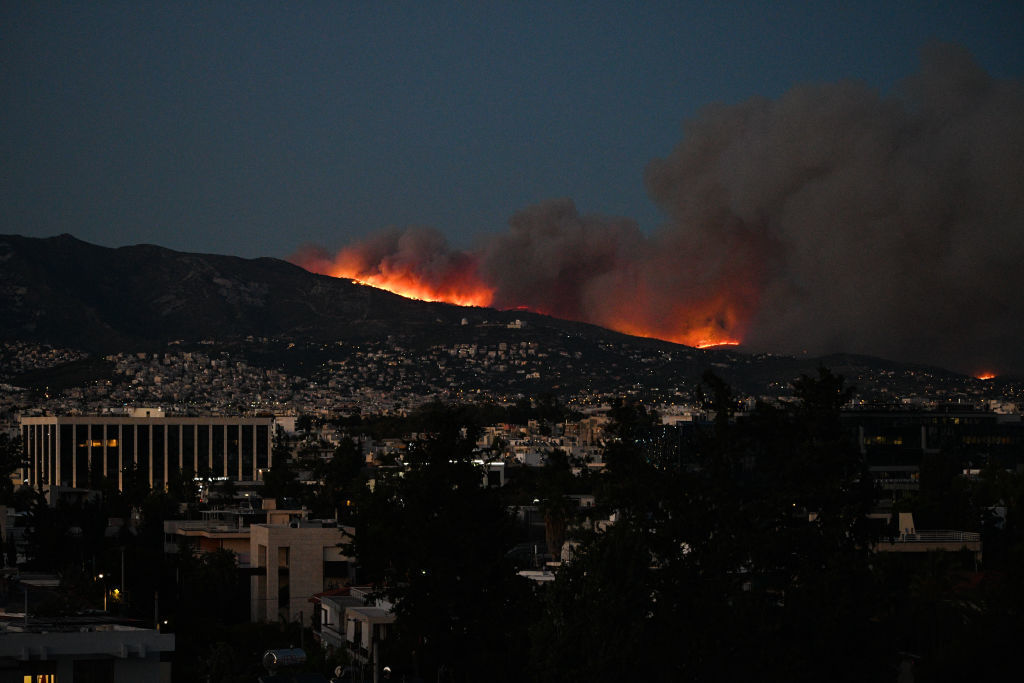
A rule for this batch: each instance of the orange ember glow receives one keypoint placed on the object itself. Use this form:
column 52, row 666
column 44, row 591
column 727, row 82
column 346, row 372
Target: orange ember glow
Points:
column 455, row 284
column 701, row 338
column 711, row 323
column 404, row 284
column 678, row 331
column 704, row 323
column 985, row 376
column 713, row 344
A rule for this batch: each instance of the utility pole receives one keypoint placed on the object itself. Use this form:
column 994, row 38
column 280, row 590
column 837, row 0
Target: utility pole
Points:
column 124, row 586
column 376, row 652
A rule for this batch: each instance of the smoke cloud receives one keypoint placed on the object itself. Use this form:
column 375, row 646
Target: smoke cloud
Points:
column 834, row 218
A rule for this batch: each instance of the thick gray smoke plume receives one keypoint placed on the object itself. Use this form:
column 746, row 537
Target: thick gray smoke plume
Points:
column 605, row 271
column 555, row 260
column 834, row 218
column 885, row 225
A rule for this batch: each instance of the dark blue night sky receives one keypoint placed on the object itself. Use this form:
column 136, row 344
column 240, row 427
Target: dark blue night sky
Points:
column 250, row 128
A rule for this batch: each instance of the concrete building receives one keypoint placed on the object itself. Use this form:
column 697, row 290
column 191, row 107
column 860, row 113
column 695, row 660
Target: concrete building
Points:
column 293, row 562
column 95, row 652
column 75, row 451
column 227, row 528
column 913, row 540
column 352, row 619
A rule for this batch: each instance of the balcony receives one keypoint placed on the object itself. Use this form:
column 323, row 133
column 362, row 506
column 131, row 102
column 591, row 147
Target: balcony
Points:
column 938, row 536
column 932, row 539
column 210, row 527
column 898, row 484
column 330, row 635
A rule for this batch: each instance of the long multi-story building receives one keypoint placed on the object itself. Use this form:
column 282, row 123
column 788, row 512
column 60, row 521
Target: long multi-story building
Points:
column 78, row 451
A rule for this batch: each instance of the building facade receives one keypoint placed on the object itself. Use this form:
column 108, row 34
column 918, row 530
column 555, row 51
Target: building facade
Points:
column 94, row 652
column 291, row 563
column 78, row 451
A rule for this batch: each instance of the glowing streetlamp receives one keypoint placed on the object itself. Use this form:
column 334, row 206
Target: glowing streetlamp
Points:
column 100, row 577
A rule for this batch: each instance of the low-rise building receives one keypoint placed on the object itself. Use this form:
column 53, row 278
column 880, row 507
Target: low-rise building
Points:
column 83, row 652
column 226, row 528
column 355, row 620
column 293, row 562
column 910, row 539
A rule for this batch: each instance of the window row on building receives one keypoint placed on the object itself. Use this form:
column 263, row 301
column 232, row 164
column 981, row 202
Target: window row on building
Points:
column 83, row 451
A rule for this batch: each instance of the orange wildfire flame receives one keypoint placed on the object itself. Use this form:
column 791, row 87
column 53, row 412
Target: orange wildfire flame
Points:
column 405, row 285
column 714, row 344
column 702, row 337
column 702, row 325
column 705, row 324
column 459, row 288
column 985, row 376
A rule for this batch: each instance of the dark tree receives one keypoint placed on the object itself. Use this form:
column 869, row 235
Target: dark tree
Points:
column 11, row 458
column 750, row 563
column 280, row 481
column 182, row 487
column 341, row 481
column 435, row 541
column 554, row 486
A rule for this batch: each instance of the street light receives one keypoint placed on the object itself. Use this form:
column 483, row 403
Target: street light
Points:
column 100, row 577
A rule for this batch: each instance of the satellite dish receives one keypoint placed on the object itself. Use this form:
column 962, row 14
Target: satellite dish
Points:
column 289, row 657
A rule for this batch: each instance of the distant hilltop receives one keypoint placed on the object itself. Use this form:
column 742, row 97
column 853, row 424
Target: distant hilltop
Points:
column 66, row 292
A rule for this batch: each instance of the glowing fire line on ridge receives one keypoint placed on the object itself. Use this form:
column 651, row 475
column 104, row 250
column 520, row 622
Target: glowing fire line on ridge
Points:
column 459, row 284
column 407, row 286
column 420, row 292
column 715, row 344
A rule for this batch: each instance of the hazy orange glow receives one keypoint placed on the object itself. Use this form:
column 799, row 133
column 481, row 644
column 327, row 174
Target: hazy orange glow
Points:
column 453, row 287
column 985, row 375
column 405, row 285
column 702, row 337
column 704, row 324
column 701, row 324
column 713, row 344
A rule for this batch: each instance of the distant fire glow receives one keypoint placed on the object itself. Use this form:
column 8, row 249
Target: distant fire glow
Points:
column 701, row 336
column 405, row 284
column 416, row 266
column 396, row 266
column 985, row 376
